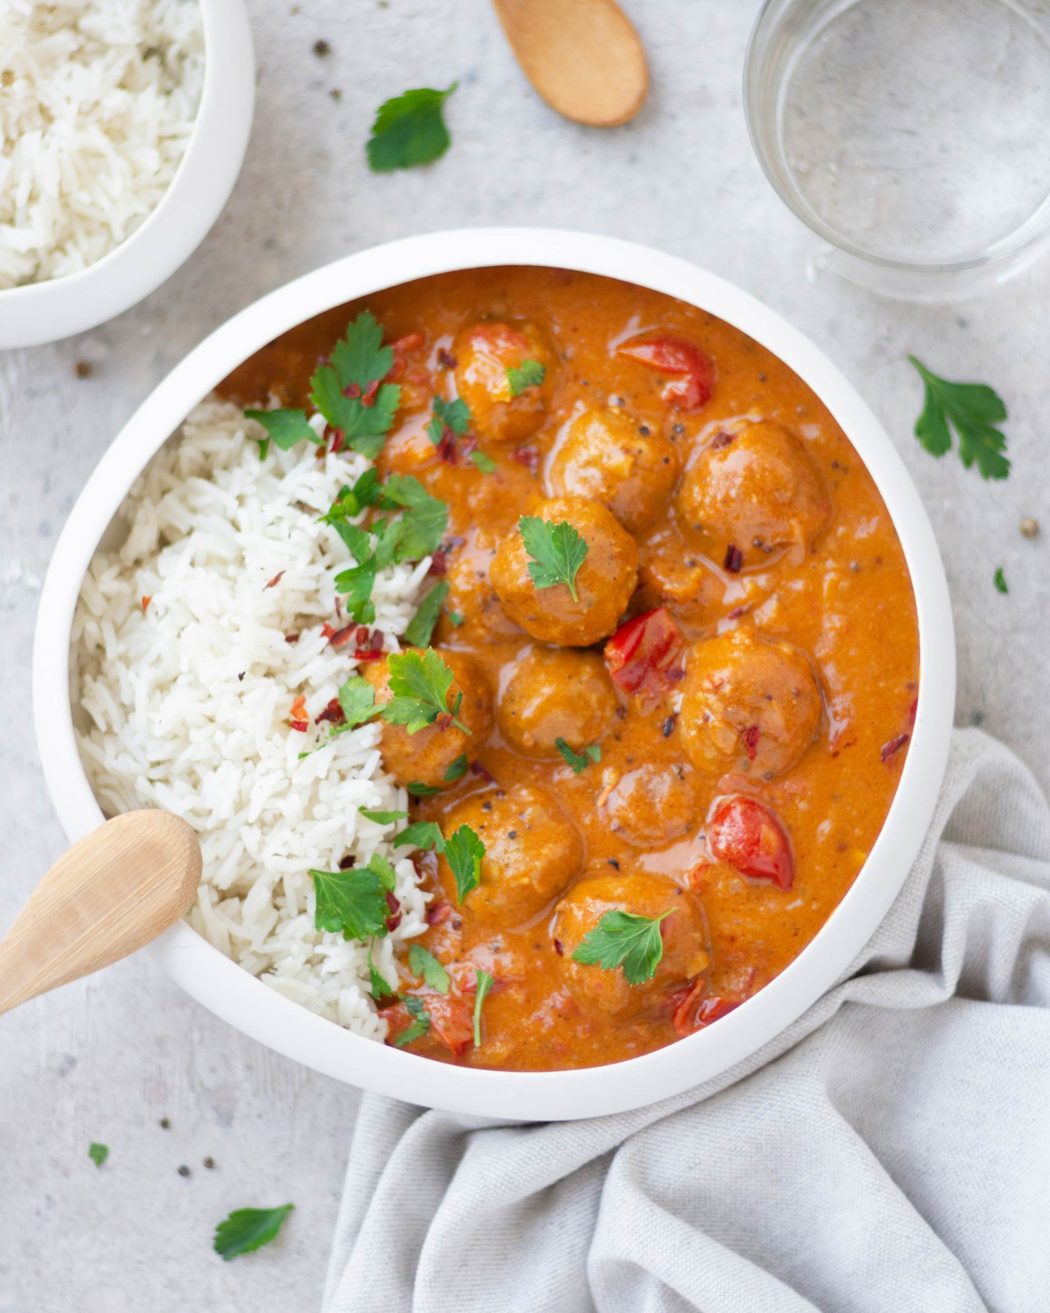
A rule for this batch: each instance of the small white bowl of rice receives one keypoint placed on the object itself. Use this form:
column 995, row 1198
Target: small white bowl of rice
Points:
column 123, row 125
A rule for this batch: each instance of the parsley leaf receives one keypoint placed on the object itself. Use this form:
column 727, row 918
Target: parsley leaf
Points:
column 557, row 552
column 357, row 698
column 249, row 1228
column 423, row 963
column 420, row 790
column 529, row 374
column 421, row 626
column 448, row 414
column 386, row 873
column 378, row 985
column 420, row 529
column 420, row 1024
column 351, row 902
column 421, row 834
column 484, row 983
column 457, row 770
column 1000, row 581
column 381, row 817
column 98, row 1153
column 484, row 463
column 578, row 760
column 356, row 585
column 285, row 427
column 339, row 389
column 624, row 939
column 409, row 129
column 420, row 683
column 463, row 852
column 973, row 410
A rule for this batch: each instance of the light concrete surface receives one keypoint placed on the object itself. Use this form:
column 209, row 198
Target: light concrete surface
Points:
column 106, row 1059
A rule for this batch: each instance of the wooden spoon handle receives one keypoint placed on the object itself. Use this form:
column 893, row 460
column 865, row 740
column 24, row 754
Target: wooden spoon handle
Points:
column 110, row 894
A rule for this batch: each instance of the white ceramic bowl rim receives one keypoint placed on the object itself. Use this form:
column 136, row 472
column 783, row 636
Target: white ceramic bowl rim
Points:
column 257, row 1010
column 58, row 307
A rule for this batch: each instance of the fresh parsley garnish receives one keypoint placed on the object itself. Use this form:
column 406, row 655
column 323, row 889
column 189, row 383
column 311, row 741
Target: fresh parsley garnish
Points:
column 349, row 391
column 454, row 415
column 409, row 129
column 423, row 963
column 420, row 1021
column 557, row 552
column 356, row 585
column 624, row 939
column 578, row 760
column 1000, row 581
column 285, row 428
column 382, row 817
column 420, row 683
column 973, row 410
column 457, row 769
column 357, row 698
column 463, row 852
column 456, row 618
column 484, row 983
column 98, row 1153
column 378, row 986
column 484, row 463
column 529, row 374
column 421, row 626
column 421, row 834
column 249, row 1228
column 353, row 902
column 420, row 790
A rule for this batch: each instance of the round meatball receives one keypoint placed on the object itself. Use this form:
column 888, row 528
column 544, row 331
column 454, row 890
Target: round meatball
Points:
column 651, row 806
column 532, row 851
column 603, row 584
column 556, row 694
column 756, row 491
column 609, row 456
column 472, row 597
column 484, row 353
column 683, row 932
column 426, row 756
column 748, row 703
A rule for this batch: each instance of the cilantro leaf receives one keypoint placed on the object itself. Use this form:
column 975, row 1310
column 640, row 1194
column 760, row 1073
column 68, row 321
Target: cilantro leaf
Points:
column 409, row 129
column 423, row 963
column 448, row 414
column 557, row 552
column 98, row 1153
column 249, row 1228
column 423, row 524
column 378, row 986
column 463, row 852
column 345, row 391
column 973, row 410
column 359, row 356
column 1000, row 581
column 420, row 683
column 347, row 506
column 484, row 462
column 484, row 983
column 351, row 902
column 456, row 618
column 285, row 427
column 384, row 871
column 421, row 834
column 624, row 939
column 418, row 789
column 357, row 698
column 421, row 626
column 578, row 760
column 356, row 585
column 420, row 1024
column 381, row 817
column 457, row 770
column 529, row 374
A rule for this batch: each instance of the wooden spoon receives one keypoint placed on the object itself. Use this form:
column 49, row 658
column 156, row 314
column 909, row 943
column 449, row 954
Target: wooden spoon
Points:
column 113, row 892
column 583, row 57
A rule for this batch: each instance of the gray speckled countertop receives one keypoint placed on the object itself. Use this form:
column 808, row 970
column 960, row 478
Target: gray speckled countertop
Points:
column 106, row 1059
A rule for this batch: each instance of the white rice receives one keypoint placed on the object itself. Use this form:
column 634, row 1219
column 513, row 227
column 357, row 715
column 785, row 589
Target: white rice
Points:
column 97, row 102
column 186, row 702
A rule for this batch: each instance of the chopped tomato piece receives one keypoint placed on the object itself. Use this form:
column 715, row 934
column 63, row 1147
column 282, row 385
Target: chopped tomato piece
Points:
column 694, row 1008
column 747, row 835
column 452, row 1021
column 693, row 372
column 641, row 654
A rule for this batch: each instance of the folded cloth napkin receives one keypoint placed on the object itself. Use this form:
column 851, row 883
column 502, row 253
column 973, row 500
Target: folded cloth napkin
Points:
column 889, row 1153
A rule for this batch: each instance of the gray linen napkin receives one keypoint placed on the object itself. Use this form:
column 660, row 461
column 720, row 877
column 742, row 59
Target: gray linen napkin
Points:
column 890, row 1153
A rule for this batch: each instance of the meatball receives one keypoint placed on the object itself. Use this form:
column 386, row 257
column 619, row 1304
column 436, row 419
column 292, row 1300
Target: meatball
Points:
column 604, row 582
column 556, row 694
column 532, row 851
column 757, row 492
column 607, row 455
column 684, row 935
column 472, row 597
column 426, row 756
column 484, row 353
column 748, row 703
column 652, row 805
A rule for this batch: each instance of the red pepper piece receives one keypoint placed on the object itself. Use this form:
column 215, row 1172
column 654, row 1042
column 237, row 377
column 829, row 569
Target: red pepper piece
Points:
column 889, row 750
column 368, row 397
column 402, row 347
column 750, row 738
column 694, row 1008
column 693, row 372
column 451, row 1021
column 339, row 637
column 333, row 713
column 438, row 913
column 747, row 835
column 298, row 717
column 642, row 652
column 394, row 919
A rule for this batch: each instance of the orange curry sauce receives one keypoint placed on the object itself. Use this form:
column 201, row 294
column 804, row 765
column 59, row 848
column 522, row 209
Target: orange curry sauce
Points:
column 843, row 602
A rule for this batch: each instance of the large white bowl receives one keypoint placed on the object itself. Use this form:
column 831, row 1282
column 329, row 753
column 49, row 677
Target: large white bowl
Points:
column 58, row 307
column 290, row 1029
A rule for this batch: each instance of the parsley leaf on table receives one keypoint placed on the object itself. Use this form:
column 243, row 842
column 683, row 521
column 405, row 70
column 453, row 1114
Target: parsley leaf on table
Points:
column 484, row 983
column 353, row 902
column 421, row 626
column 454, row 415
column 424, row 964
column 409, row 129
column 420, row 1023
column 557, row 552
column 1000, row 581
column 249, row 1228
column 285, row 427
column 579, row 761
column 420, row 683
column 624, row 939
column 421, row 834
column 973, row 410
column 98, row 1153
column 529, row 374
column 463, row 852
